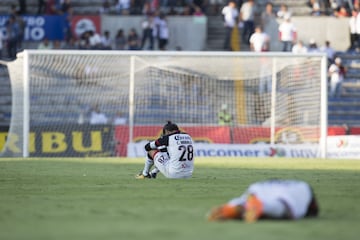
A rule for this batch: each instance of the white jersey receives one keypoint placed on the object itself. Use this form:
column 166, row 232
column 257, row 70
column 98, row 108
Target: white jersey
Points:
column 161, row 29
column 178, row 160
column 296, row 195
column 335, row 73
column 230, row 16
column 287, row 30
column 259, row 41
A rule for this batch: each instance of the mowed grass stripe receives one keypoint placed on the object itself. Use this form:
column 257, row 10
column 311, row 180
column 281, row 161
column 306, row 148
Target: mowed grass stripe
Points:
column 92, row 198
column 273, row 163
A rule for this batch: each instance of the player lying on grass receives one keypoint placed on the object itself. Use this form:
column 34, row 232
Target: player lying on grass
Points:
column 274, row 199
column 172, row 154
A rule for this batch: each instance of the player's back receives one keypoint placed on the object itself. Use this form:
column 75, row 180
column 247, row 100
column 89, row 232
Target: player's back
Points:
column 181, row 152
column 278, row 187
column 297, row 194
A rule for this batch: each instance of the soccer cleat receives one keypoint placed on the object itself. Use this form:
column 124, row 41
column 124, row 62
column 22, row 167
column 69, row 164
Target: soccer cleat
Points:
column 153, row 175
column 253, row 209
column 225, row 212
column 141, row 176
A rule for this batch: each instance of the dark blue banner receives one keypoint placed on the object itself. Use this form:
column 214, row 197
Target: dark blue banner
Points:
column 39, row 27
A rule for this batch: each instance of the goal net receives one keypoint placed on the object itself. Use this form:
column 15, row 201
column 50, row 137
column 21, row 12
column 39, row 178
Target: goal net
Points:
column 94, row 103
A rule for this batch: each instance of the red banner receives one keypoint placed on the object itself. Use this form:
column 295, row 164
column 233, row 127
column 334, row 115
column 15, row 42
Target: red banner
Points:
column 246, row 135
column 81, row 24
column 355, row 131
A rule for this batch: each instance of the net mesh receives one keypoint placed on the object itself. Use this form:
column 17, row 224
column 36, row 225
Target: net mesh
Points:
column 194, row 89
column 66, row 88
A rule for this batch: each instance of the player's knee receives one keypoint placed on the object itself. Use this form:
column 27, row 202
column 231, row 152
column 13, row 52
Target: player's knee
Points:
column 151, row 154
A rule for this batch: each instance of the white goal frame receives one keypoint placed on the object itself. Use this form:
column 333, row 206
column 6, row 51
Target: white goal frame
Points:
column 23, row 63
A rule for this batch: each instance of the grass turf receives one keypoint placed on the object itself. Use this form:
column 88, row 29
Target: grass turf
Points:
column 89, row 198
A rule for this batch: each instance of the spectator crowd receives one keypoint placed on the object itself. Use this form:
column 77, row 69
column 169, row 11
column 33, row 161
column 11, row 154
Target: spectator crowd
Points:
column 247, row 15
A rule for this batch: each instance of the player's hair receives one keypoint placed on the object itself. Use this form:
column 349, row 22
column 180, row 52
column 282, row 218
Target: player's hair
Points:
column 169, row 126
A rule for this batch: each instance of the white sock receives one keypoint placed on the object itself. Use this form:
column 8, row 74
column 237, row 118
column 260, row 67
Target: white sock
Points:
column 155, row 170
column 148, row 164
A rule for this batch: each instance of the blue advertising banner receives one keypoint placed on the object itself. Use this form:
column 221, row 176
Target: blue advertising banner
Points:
column 39, row 27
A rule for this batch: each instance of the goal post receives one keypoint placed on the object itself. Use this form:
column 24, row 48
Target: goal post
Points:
column 273, row 98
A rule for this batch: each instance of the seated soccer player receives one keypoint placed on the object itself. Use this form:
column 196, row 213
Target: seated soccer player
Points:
column 172, row 154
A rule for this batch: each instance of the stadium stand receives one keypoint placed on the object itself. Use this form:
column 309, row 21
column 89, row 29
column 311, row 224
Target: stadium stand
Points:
column 296, row 7
column 346, row 108
column 79, row 6
column 215, row 22
column 5, row 99
column 343, row 110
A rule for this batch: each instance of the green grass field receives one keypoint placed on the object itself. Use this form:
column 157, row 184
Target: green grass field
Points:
column 89, row 198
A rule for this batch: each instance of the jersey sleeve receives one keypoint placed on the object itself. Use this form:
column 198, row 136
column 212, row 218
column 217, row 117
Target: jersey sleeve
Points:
column 159, row 143
column 162, row 141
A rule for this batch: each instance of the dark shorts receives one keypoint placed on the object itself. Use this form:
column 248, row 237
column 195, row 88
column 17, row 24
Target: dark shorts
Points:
column 162, row 43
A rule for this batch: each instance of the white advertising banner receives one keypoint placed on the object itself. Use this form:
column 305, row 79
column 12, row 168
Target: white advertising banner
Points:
column 338, row 147
column 240, row 150
column 347, row 146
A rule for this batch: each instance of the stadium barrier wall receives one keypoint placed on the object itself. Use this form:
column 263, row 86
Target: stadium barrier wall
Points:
column 190, row 33
column 92, row 141
column 321, row 29
column 344, row 146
